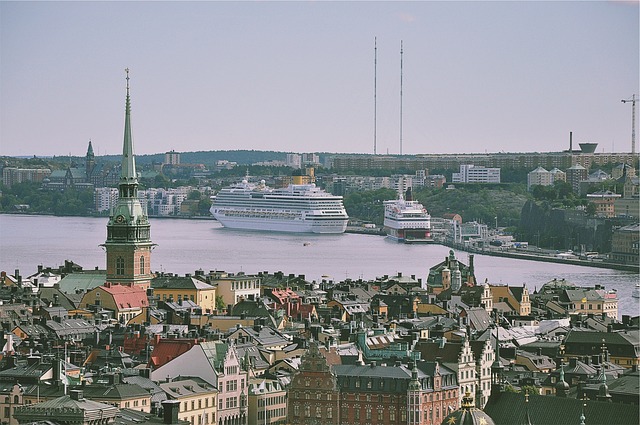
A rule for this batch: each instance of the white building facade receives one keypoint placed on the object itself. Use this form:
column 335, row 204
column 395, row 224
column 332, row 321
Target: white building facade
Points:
column 470, row 173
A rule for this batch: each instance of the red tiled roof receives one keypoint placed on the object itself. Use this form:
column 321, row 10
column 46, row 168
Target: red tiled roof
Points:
column 283, row 294
column 127, row 296
column 166, row 350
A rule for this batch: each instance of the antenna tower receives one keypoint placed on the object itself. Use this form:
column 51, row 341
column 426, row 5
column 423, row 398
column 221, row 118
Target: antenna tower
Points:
column 375, row 93
column 401, row 53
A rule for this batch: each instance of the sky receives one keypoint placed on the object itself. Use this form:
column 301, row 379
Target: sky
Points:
column 477, row 76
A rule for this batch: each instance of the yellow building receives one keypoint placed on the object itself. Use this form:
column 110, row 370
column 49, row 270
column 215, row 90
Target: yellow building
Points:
column 267, row 402
column 126, row 302
column 517, row 297
column 177, row 288
column 235, row 287
column 198, row 399
column 604, row 202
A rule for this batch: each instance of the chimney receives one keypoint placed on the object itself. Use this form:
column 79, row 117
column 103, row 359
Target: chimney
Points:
column 170, row 409
column 571, row 142
column 77, row 395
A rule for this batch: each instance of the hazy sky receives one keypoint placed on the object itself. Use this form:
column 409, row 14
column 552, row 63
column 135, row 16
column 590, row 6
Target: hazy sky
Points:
column 299, row 76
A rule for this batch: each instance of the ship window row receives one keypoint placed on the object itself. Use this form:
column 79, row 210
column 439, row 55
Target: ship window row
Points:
column 251, row 214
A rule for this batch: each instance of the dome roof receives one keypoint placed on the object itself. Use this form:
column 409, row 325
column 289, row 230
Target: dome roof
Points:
column 468, row 414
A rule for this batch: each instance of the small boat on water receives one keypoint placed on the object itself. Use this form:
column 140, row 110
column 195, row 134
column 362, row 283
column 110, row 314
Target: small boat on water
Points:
column 636, row 291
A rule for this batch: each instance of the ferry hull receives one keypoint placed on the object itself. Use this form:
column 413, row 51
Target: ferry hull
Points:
column 409, row 235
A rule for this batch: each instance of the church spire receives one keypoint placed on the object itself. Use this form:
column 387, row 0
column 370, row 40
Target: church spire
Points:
column 128, row 174
column 128, row 243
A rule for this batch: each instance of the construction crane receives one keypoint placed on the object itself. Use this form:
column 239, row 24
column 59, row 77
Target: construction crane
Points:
column 633, row 122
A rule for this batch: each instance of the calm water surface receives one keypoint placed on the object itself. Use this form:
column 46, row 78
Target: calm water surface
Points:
column 187, row 245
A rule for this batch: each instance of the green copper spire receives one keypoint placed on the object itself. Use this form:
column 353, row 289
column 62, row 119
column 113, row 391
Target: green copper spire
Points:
column 128, row 174
column 128, row 243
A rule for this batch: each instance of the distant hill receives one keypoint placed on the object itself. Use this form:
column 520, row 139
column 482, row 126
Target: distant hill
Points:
column 210, row 157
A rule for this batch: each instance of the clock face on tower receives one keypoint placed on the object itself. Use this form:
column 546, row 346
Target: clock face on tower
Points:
column 120, row 219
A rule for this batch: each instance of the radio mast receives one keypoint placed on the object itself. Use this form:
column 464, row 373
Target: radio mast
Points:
column 401, row 52
column 375, row 92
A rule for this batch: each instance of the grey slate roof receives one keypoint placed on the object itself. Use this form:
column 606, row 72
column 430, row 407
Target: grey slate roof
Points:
column 178, row 282
column 510, row 408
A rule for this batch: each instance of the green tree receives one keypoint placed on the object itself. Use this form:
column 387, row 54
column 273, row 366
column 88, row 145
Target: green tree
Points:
column 194, row 195
column 220, row 304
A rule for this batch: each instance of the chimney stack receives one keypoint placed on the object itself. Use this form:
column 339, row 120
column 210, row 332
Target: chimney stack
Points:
column 170, row 409
column 571, row 142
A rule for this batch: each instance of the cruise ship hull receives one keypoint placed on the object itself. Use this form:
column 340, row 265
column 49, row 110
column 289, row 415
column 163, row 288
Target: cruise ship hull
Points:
column 297, row 209
column 275, row 225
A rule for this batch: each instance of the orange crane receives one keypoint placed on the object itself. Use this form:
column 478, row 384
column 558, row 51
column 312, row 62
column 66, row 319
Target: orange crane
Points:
column 633, row 122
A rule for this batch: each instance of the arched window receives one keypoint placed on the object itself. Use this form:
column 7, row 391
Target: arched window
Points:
column 120, row 265
column 142, row 265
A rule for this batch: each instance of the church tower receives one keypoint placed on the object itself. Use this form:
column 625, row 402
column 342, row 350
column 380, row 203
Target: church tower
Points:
column 128, row 243
column 90, row 162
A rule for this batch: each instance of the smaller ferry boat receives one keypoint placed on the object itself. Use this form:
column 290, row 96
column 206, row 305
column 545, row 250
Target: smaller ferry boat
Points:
column 636, row 291
column 406, row 220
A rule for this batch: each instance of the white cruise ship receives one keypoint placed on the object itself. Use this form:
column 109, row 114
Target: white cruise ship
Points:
column 406, row 220
column 302, row 208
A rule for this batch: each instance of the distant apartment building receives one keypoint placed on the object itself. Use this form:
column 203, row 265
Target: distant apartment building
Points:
column 172, row 158
column 576, row 174
column 541, row 177
column 622, row 170
column 104, row 198
column 527, row 160
column 435, row 180
column 156, row 201
column 223, row 164
column 294, row 160
column 470, row 173
column 13, row 175
column 312, row 159
column 342, row 185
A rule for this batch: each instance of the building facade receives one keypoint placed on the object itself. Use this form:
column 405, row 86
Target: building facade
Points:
column 233, row 287
column 198, row 399
column 418, row 394
column 471, row 173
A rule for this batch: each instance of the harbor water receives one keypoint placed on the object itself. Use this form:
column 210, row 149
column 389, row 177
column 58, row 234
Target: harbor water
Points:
column 184, row 246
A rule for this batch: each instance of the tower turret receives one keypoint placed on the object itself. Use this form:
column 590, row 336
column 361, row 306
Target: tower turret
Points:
column 456, row 278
